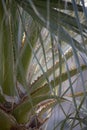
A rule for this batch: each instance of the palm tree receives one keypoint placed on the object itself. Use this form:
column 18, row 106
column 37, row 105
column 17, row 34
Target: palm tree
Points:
column 38, row 40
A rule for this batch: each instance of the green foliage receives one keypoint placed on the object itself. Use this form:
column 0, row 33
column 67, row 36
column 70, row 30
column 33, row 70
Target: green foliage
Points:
column 38, row 39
